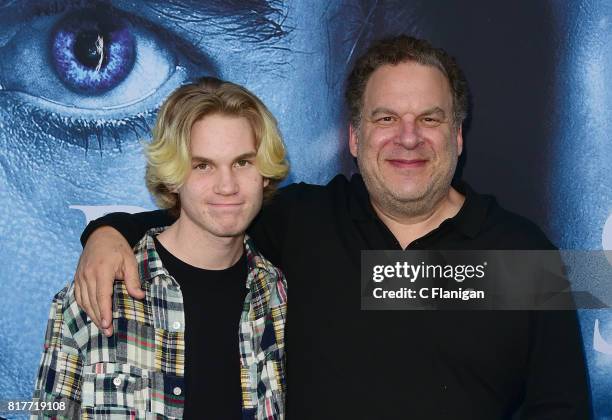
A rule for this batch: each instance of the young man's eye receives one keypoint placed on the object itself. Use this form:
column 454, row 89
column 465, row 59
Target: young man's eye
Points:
column 242, row 163
column 202, row 166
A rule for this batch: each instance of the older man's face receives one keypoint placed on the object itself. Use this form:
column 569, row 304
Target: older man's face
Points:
column 407, row 146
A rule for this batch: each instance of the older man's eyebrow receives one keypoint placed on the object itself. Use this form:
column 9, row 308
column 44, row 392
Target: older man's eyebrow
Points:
column 436, row 110
column 382, row 110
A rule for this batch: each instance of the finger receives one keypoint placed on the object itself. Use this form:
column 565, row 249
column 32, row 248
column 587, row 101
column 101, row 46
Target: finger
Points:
column 78, row 279
column 131, row 276
column 81, row 294
column 93, row 299
column 104, row 300
column 87, row 305
column 77, row 292
column 108, row 331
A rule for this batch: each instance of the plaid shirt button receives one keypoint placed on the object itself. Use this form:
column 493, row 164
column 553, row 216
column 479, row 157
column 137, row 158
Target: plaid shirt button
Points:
column 177, row 391
column 176, row 325
column 117, row 381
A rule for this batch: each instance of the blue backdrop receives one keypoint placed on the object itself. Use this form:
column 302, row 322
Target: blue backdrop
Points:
column 69, row 137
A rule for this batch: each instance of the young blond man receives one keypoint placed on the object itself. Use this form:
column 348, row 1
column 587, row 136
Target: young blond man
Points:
column 207, row 340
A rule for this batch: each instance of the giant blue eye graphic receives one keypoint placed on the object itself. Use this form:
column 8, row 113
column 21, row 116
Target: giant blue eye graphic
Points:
column 95, row 75
column 92, row 51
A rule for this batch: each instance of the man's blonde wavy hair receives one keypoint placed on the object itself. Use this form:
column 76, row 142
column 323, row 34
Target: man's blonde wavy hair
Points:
column 168, row 154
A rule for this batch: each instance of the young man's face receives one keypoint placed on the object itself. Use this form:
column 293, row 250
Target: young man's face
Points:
column 224, row 190
column 406, row 147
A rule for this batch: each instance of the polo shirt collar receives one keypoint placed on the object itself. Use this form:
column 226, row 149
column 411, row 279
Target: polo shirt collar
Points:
column 469, row 221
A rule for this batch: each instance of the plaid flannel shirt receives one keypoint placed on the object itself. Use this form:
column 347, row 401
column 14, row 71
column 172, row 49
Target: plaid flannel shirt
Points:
column 138, row 373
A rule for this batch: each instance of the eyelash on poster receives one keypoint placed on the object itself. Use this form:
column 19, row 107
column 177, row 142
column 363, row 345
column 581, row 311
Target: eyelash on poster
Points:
column 83, row 131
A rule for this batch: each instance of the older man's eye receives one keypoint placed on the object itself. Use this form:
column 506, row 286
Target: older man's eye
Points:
column 94, row 73
column 386, row 120
column 431, row 121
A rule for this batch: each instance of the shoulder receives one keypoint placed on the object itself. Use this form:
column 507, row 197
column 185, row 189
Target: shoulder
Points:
column 305, row 200
column 493, row 227
column 265, row 274
column 305, row 191
column 256, row 260
column 513, row 230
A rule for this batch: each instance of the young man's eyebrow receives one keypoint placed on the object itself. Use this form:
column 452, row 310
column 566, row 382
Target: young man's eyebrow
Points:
column 202, row 159
column 244, row 156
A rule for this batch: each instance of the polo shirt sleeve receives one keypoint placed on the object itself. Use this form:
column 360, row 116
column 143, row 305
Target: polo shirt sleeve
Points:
column 132, row 226
column 556, row 386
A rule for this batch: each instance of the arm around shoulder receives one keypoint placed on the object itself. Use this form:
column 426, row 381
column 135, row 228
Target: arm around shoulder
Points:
column 131, row 226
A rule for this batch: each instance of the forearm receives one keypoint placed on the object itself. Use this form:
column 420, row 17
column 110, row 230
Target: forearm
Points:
column 131, row 226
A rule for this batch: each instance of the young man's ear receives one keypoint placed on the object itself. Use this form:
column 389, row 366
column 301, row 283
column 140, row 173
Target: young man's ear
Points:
column 353, row 140
column 266, row 182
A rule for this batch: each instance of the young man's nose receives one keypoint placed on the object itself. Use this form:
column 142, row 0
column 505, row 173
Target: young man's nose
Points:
column 226, row 182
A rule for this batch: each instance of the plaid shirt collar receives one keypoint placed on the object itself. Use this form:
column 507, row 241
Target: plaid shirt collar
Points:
column 150, row 264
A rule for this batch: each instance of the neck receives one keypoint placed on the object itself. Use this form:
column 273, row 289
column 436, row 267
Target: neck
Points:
column 199, row 248
column 407, row 227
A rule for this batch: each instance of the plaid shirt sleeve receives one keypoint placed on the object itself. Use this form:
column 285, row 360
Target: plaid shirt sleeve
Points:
column 263, row 347
column 272, row 406
column 60, row 373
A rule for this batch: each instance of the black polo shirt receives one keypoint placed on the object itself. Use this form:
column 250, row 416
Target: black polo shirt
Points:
column 345, row 363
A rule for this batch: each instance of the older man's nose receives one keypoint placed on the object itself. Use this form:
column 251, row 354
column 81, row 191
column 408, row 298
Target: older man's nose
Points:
column 409, row 135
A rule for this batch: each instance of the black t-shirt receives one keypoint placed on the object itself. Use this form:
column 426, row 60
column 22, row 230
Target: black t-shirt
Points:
column 213, row 301
column 343, row 362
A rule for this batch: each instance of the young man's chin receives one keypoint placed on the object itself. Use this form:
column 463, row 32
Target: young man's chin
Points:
column 229, row 231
